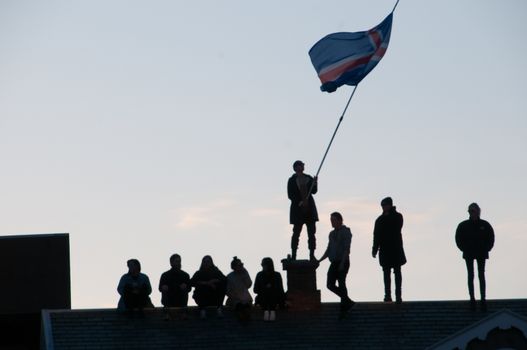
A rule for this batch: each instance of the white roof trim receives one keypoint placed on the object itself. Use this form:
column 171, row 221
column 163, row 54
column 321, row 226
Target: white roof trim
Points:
column 504, row 319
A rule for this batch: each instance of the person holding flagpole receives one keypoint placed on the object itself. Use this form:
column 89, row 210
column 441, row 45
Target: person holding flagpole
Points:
column 303, row 211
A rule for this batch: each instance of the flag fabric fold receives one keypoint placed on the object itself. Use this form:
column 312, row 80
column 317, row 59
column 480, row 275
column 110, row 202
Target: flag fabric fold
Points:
column 346, row 58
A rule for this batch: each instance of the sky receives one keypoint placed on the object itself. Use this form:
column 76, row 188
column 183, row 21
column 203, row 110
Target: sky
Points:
column 147, row 128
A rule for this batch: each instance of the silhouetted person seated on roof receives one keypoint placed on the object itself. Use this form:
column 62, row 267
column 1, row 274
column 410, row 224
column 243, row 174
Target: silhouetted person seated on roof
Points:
column 174, row 285
column 269, row 289
column 338, row 252
column 238, row 284
column 209, row 287
column 134, row 288
column 475, row 238
column 388, row 241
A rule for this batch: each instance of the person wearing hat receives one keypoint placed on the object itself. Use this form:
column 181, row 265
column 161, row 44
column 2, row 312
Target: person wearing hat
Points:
column 303, row 209
column 475, row 238
column 388, row 241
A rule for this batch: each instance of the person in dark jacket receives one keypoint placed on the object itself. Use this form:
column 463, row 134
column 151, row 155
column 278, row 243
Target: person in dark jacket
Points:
column 209, row 287
column 475, row 238
column 388, row 241
column 134, row 288
column 303, row 209
column 174, row 285
column 269, row 289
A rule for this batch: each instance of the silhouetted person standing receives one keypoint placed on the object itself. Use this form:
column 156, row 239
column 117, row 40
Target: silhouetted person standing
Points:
column 388, row 241
column 209, row 286
column 303, row 209
column 475, row 238
column 134, row 288
column 338, row 252
column 174, row 285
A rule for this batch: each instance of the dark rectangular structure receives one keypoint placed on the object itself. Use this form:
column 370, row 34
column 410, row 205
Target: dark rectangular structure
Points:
column 35, row 273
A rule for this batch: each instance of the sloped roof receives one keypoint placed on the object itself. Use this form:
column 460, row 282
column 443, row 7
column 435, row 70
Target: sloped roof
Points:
column 412, row 325
column 504, row 319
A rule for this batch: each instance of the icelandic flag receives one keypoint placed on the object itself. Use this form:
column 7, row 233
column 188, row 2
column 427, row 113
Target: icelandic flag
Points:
column 346, row 58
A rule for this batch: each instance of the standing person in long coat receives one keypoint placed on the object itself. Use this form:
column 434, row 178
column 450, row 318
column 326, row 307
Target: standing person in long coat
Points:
column 388, row 241
column 303, row 209
column 475, row 238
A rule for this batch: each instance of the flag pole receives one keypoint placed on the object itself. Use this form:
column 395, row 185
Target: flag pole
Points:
column 397, row 3
column 332, row 138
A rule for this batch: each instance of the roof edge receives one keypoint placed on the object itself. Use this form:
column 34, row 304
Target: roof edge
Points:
column 46, row 339
column 33, row 235
column 358, row 303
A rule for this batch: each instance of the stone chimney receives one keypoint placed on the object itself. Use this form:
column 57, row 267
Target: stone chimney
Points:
column 302, row 293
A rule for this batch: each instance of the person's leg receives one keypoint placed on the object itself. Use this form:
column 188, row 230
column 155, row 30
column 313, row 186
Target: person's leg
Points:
column 470, row 277
column 273, row 303
column 482, row 283
column 481, row 276
column 311, row 239
column 332, row 278
column 202, row 303
column 297, row 228
column 398, row 284
column 129, row 303
column 345, row 301
column 265, row 303
column 387, row 283
column 219, row 296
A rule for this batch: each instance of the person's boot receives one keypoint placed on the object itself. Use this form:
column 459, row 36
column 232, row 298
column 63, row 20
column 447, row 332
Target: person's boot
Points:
column 272, row 315
column 398, row 298
column 472, row 304
column 387, row 298
column 483, row 305
column 266, row 315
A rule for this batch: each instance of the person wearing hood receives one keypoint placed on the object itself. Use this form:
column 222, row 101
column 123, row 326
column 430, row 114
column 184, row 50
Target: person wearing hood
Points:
column 238, row 284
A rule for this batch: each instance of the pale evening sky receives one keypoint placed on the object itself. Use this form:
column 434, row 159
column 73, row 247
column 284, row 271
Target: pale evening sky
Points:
column 146, row 128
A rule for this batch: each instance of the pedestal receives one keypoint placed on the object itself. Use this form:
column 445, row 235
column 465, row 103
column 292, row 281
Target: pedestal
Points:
column 302, row 293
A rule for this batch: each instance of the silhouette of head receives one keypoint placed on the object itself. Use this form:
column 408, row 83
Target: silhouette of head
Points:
column 298, row 166
column 386, row 204
column 236, row 264
column 336, row 220
column 134, row 267
column 267, row 264
column 206, row 263
column 474, row 211
column 175, row 261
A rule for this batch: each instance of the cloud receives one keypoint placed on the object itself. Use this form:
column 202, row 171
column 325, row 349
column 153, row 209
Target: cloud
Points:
column 266, row 212
column 206, row 215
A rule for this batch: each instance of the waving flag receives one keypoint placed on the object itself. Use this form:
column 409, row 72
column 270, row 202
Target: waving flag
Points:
column 346, row 58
